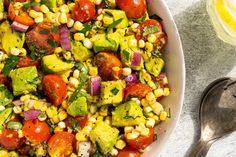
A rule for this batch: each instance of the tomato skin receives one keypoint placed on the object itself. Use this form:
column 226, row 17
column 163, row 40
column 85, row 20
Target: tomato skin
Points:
column 82, row 120
column 9, row 139
column 26, row 62
column 105, row 61
column 141, row 142
column 61, row 144
column 136, row 90
column 133, row 8
column 84, row 11
column 54, row 88
column 4, row 80
column 128, row 152
column 36, row 131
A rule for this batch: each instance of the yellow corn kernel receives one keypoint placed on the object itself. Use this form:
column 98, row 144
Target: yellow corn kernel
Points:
column 151, row 38
column 107, row 20
column 165, row 81
column 64, row 78
column 55, row 119
column 132, row 43
column 93, row 71
column 23, row 52
column 73, row 82
column 37, row 1
column 64, row 104
column 1, row 66
column 141, row 43
column 58, row 50
column 163, row 115
column 40, row 151
column 34, row 14
column 57, row 129
column 73, row 155
column 159, row 92
column 128, row 129
column 49, row 112
column 79, row 36
column 25, row 98
column 147, row 77
column 144, row 102
column 3, row 153
column 120, row 144
column 64, row 8
column 44, row 9
column 62, row 115
column 38, row 105
column 20, row 133
column 99, row 118
column 81, row 136
column 150, row 122
column 149, row 46
column 71, row 6
column 63, row 18
column 78, row 26
column 150, row 96
column 166, row 91
column 50, row 17
column 151, row 84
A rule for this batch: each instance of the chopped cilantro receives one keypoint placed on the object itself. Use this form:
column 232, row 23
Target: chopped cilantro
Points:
column 29, row 4
column 150, row 30
column 32, row 51
column 155, row 137
column 81, row 67
column 53, row 43
column 115, row 91
column 86, row 28
column 10, row 64
column 55, row 29
column 156, row 52
column 125, row 54
column 169, row 113
column 44, row 31
column 75, row 125
column 114, row 24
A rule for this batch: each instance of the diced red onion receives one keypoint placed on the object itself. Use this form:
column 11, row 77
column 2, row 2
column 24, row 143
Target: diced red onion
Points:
column 64, row 37
column 160, row 77
column 132, row 78
column 32, row 114
column 19, row 27
column 95, row 85
column 136, row 60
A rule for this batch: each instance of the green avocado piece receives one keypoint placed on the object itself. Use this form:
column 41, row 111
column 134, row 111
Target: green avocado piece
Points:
column 4, row 26
column 53, row 64
column 12, row 38
column 127, row 114
column 4, row 116
column 118, row 14
column 111, row 92
column 1, row 6
column 5, row 96
column 154, row 65
column 104, row 136
column 80, row 52
column 51, row 4
column 24, row 80
column 78, row 107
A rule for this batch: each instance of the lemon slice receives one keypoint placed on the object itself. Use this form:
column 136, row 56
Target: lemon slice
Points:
column 225, row 14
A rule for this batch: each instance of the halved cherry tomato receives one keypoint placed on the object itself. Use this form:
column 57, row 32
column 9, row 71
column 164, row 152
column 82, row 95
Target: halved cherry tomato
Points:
column 54, row 88
column 84, row 11
column 136, row 90
column 26, row 62
column 56, row 36
column 105, row 61
column 9, row 139
column 128, row 152
column 82, row 120
column 133, row 8
column 141, row 142
column 61, row 144
column 36, row 131
column 19, row 16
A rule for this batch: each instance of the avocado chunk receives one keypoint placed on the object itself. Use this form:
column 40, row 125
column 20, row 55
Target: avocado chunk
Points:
column 104, row 136
column 111, row 92
column 80, row 52
column 109, row 42
column 4, row 26
column 51, row 4
column 12, row 38
column 1, row 7
column 4, row 115
column 53, row 64
column 5, row 96
column 154, row 65
column 24, row 80
column 118, row 14
column 127, row 114
column 78, row 107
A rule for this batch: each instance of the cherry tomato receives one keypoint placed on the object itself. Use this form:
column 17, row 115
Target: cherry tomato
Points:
column 19, row 16
column 82, row 120
column 9, row 139
column 24, row 149
column 133, row 8
column 84, row 11
column 141, row 142
column 36, row 131
column 26, row 62
column 161, row 36
column 4, row 80
column 54, row 88
column 61, row 144
column 128, row 152
column 136, row 90
column 105, row 62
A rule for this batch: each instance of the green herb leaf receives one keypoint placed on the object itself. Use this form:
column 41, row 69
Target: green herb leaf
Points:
column 75, row 125
column 30, row 4
column 141, row 19
column 44, row 31
column 98, row 152
column 156, row 17
column 55, row 29
column 86, row 28
column 115, row 91
column 156, row 53
column 125, row 54
column 32, row 51
column 169, row 113
column 10, row 64
column 114, row 24
column 155, row 137
column 81, row 67
column 53, row 43
column 150, row 30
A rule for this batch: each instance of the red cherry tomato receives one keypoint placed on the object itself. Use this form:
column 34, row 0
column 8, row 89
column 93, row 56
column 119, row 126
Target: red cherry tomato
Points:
column 84, row 11
column 9, row 139
column 4, row 80
column 133, row 8
column 128, row 152
column 61, row 144
column 26, row 62
column 141, row 142
column 55, row 88
column 136, row 90
column 36, row 131
column 82, row 120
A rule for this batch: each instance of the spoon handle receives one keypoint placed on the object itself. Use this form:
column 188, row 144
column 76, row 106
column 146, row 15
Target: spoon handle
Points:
column 201, row 149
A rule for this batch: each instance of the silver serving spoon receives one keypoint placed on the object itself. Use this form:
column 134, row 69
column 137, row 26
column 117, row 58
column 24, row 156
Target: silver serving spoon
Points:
column 217, row 114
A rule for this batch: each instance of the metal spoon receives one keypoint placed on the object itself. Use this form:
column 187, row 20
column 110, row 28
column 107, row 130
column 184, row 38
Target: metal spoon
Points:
column 217, row 114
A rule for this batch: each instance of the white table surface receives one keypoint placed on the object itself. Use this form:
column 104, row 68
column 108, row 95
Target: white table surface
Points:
column 207, row 58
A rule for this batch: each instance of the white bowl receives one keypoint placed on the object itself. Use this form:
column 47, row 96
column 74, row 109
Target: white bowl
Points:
column 175, row 68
